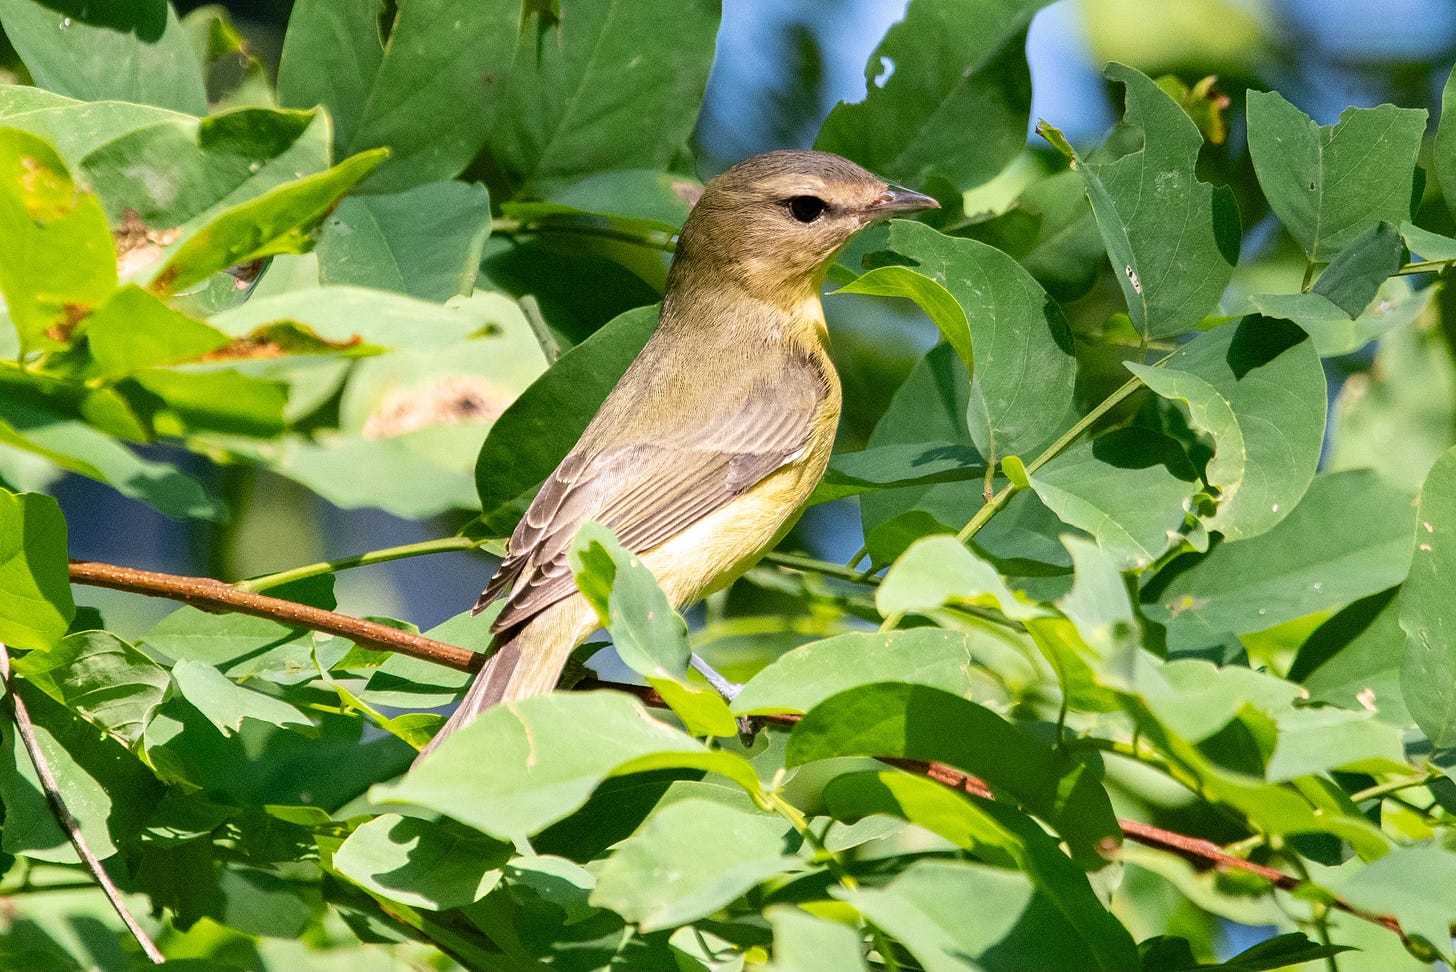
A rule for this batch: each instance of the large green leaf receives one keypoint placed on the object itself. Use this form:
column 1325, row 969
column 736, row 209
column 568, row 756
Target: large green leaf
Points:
column 425, row 241
column 1428, row 674
column 67, row 264
column 801, row 679
column 1443, row 153
column 536, row 432
column 1331, row 183
column 645, row 880
column 427, row 90
column 427, row 864
column 1173, row 239
column 226, row 703
column 1297, row 568
column 135, row 330
column 1021, row 389
column 940, row 570
column 547, row 756
column 37, row 606
column 74, row 128
column 1235, row 380
column 102, row 678
column 804, row 942
column 343, row 314
column 107, row 51
column 1128, row 488
column 1015, row 927
column 650, row 637
column 919, row 722
column 281, row 220
column 587, row 73
column 173, row 171
column 948, row 61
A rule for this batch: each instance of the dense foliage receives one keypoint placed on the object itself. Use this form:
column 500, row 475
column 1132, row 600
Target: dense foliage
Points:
column 1126, row 561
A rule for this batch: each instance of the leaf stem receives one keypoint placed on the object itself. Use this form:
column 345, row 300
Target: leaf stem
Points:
column 424, row 547
column 1425, row 266
column 1308, row 277
column 824, row 568
column 1382, row 790
column 68, row 822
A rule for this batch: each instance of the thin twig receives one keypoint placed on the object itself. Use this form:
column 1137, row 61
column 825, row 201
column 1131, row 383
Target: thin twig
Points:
column 215, row 595
column 68, row 823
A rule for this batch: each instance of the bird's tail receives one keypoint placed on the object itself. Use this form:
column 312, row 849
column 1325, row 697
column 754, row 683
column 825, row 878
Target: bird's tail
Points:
column 527, row 664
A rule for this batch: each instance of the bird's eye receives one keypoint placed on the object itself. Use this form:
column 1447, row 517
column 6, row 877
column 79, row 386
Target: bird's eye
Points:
column 806, row 209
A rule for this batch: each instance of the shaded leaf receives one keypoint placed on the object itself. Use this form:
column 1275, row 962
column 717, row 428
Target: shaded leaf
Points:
column 37, row 606
column 1428, row 673
column 226, row 703
column 1354, row 276
column 107, row 51
column 948, row 59
column 427, row 87
column 423, row 863
column 1331, row 183
column 102, row 678
column 645, row 880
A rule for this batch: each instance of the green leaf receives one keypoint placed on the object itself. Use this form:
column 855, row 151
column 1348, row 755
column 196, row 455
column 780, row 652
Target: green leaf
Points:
column 373, row 316
column 1428, row 673
column 109, row 792
column 1400, row 416
column 929, row 295
column 226, row 703
column 1347, row 661
column 1173, row 239
column 100, row 52
column 173, row 171
column 1129, row 488
column 586, row 74
column 105, row 680
column 804, row 942
column 1443, row 153
column 940, row 570
column 1023, row 401
column 37, row 607
column 649, row 635
column 548, row 754
column 426, row 86
column 74, row 128
column 69, row 265
column 901, row 464
column 689, row 860
column 1297, row 568
column 281, row 220
column 1354, row 276
column 1015, row 926
column 77, row 446
column 1331, row 183
column 947, row 60
column 1099, row 606
column 1233, row 379
column 918, row 722
column 927, row 412
column 215, row 398
column 422, row 863
column 801, row 679
column 135, row 330
column 1402, row 883
column 1332, row 330
column 426, row 241
column 531, row 438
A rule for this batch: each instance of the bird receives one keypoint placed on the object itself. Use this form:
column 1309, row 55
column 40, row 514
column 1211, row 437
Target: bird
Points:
column 702, row 456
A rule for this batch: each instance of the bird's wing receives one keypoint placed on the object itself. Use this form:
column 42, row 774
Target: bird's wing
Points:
column 646, row 493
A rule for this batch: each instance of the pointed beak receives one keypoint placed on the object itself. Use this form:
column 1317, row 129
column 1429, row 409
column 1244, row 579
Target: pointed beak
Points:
column 897, row 200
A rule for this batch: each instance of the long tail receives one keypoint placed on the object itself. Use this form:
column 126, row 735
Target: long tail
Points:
column 528, row 664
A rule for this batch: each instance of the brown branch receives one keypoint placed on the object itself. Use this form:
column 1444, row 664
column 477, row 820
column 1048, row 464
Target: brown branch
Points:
column 213, row 595
column 26, row 728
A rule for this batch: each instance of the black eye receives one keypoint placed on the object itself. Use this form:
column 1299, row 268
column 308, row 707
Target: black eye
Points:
column 806, row 209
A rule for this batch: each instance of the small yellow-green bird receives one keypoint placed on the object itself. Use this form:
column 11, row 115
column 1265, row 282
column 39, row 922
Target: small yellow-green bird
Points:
column 705, row 452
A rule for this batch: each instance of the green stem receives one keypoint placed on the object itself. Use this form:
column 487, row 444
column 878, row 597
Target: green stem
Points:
column 1424, row 266
column 824, row 568
column 1382, row 790
column 1308, row 277
column 440, row 545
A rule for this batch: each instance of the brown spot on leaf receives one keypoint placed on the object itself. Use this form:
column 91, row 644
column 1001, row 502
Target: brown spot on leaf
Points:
column 448, row 400
column 138, row 246
column 71, row 315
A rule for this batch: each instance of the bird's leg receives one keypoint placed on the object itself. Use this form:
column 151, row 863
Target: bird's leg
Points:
column 729, row 691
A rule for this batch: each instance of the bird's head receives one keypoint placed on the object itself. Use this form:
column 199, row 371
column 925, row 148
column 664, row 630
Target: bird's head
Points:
column 773, row 222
